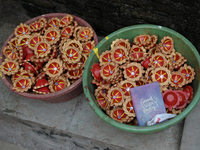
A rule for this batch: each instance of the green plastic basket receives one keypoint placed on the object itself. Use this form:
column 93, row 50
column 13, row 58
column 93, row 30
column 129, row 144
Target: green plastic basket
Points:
column 181, row 44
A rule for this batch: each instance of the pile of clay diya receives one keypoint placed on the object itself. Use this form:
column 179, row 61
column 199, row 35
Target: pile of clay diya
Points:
column 47, row 55
column 127, row 65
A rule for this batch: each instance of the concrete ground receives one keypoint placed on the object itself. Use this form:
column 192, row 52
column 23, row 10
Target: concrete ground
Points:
column 34, row 124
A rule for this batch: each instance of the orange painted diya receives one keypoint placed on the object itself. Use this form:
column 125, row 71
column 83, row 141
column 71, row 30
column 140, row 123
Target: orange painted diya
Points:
column 58, row 83
column 177, row 80
column 118, row 115
column 115, row 96
column 126, row 87
column 129, row 108
column 105, row 57
column 162, row 75
column 85, row 34
column 52, row 35
column 142, row 40
column 22, row 84
column 119, row 54
column 65, row 21
column 9, row 67
column 158, row 60
column 188, row 73
column 133, row 71
column 21, row 30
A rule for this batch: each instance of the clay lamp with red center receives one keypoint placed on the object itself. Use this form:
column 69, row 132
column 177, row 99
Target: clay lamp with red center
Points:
column 142, row 40
column 23, row 41
column 117, row 78
column 154, row 50
column 75, row 74
column 65, row 21
column 22, row 84
column 10, row 53
column 126, row 87
column 16, row 75
column 137, row 53
column 105, row 57
column 158, row 60
column 58, row 83
column 119, row 115
column 183, row 101
column 29, row 67
column 188, row 73
column 44, row 21
column 129, row 108
column 162, row 75
column 41, row 75
column 28, row 74
column 154, row 39
column 53, row 53
column 14, row 42
column 70, row 67
column 33, row 40
column 121, row 42
column 85, row 34
column 42, row 90
column 133, row 71
column 109, row 71
column 73, row 43
column 42, row 49
column 102, row 90
column 9, row 67
column 52, row 35
column 177, row 60
column 145, row 63
column 41, row 83
column 140, row 82
column 71, row 55
column 167, row 45
column 148, row 74
column 21, row 30
column 36, row 26
column 67, row 32
column 103, row 102
column 88, row 47
column 115, row 96
column 54, row 68
column 96, row 72
column 189, row 92
column 171, row 99
column 177, row 80
column 119, row 54
column 53, row 22
column 39, row 60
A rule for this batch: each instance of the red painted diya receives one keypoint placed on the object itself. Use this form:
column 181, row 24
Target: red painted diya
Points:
column 167, row 45
column 162, row 75
column 75, row 74
column 188, row 73
column 100, row 83
column 96, row 72
column 71, row 55
column 27, row 74
column 66, row 20
column 126, row 86
column 23, row 40
column 52, row 35
column 171, row 99
column 140, row 82
column 154, row 39
column 103, row 102
column 42, row 90
column 22, row 84
column 88, row 47
column 29, row 67
column 42, row 49
column 177, row 80
column 158, row 60
column 177, row 60
column 41, row 83
column 10, row 53
column 21, row 30
column 145, row 63
column 119, row 54
column 133, row 71
column 73, row 43
column 142, row 40
column 102, row 90
column 129, row 108
column 69, row 67
column 53, row 22
column 189, row 92
column 14, row 42
column 33, row 40
column 54, row 68
column 16, row 75
column 154, row 50
column 115, row 96
column 183, row 101
column 58, row 83
column 85, row 34
column 148, row 74
column 109, row 71
column 118, row 115
column 105, row 57
column 121, row 42
column 67, row 32
column 9, row 67
column 36, row 26
column 137, row 53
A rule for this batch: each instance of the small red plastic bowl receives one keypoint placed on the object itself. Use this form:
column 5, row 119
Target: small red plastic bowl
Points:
column 66, row 94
